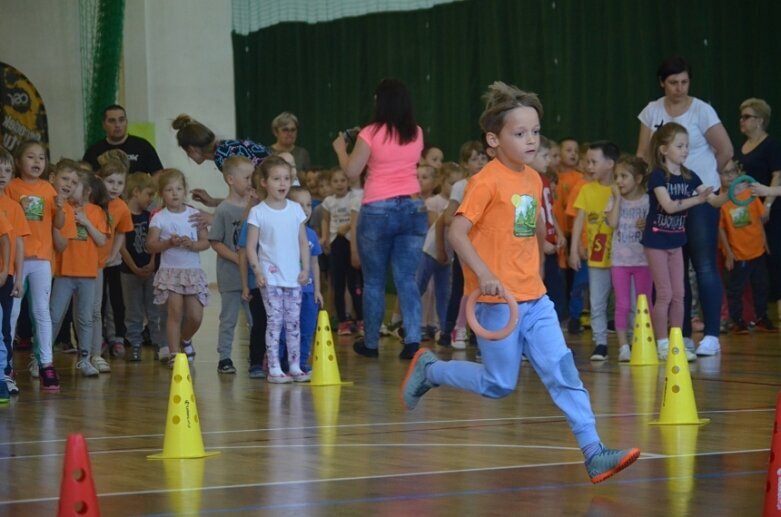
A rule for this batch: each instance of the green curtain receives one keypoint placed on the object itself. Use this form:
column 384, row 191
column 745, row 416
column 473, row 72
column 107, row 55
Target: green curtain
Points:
column 593, row 64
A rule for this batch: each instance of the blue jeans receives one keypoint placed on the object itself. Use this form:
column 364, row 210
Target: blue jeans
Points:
column 702, row 234
column 441, row 272
column 391, row 231
column 539, row 337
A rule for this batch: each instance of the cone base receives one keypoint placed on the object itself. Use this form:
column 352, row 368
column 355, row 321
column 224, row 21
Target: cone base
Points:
column 699, row 421
column 163, row 456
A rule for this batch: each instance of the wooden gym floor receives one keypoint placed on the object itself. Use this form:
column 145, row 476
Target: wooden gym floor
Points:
column 353, row 450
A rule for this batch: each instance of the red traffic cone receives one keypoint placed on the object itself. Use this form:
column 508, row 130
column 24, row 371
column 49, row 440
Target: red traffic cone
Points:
column 772, row 492
column 77, row 491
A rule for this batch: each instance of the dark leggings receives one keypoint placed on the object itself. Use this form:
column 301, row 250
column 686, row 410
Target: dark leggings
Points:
column 257, row 334
column 7, row 303
column 112, row 281
column 343, row 273
column 456, row 293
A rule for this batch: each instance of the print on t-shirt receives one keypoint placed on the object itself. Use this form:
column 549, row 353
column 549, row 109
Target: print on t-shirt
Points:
column 525, row 215
column 139, row 242
column 740, row 216
column 33, row 207
column 81, row 232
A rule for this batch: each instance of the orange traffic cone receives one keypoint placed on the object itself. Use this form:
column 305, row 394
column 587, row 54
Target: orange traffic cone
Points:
column 182, row 424
column 325, row 370
column 773, row 486
column 77, row 490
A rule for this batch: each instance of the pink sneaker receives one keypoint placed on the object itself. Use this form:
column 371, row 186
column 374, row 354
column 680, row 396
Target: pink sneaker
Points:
column 345, row 329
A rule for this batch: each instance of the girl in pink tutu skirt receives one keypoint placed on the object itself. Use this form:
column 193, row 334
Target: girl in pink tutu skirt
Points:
column 180, row 283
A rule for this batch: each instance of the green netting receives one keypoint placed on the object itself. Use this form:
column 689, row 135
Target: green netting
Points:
column 101, row 23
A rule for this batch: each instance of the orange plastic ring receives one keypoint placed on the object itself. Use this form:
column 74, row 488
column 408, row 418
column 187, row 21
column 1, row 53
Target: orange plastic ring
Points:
column 493, row 335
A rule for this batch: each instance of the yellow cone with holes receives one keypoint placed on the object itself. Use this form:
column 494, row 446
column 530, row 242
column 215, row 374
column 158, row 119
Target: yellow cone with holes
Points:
column 643, row 342
column 182, row 424
column 325, row 369
column 678, row 405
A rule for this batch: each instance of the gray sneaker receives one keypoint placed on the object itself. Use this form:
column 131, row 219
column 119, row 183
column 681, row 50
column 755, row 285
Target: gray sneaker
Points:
column 415, row 384
column 86, row 368
column 610, row 462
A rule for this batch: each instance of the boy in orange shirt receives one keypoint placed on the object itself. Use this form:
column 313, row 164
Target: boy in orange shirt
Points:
column 498, row 231
column 12, row 289
column 744, row 244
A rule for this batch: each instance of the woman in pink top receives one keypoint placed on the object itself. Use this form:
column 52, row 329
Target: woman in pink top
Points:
column 392, row 222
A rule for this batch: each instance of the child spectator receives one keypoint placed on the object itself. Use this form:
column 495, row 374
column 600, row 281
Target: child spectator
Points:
column 278, row 253
column 77, row 266
column 224, row 238
column 113, row 171
column 180, row 283
column 43, row 209
column 432, row 156
column 137, row 272
column 11, row 291
column 744, row 245
column 336, row 244
column 626, row 214
column 590, row 204
column 311, row 295
column 672, row 190
column 505, row 197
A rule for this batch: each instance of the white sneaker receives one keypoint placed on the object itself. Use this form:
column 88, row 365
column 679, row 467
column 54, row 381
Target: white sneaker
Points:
column 163, row 354
column 101, row 364
column 661, row 348
column 709, row 346
column 86, row 368
column 688, row 344
column 459, row 339
column 624, row 354
column 34, row 367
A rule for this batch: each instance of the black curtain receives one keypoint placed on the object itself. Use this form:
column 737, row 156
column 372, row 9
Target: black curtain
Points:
column 592, row 62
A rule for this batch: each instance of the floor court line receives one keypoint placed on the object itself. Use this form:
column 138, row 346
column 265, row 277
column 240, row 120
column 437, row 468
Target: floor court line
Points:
column 389, row 476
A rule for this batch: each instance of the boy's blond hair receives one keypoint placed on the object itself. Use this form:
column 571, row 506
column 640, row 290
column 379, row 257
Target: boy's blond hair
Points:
column 138, row 181
column 232, row 164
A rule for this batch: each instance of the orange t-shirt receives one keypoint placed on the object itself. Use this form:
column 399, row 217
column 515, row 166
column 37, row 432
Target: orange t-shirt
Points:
column 68, row 231
column 743, row 226
column 120, row 221
column 19, row 227
column 566, row 180
column 503, row 207
column 37, row 200
column 80, row 258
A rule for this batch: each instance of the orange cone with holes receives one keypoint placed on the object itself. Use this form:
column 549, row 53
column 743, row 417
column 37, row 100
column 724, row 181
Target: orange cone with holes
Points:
column 77, row 490
column 643, row 342
column 325, row 369
column 183, row 424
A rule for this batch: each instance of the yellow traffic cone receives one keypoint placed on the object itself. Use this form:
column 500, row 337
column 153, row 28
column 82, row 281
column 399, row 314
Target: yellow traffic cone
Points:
column 643, row 342
column 325, row 370
column 678, row 405
column 183, row 425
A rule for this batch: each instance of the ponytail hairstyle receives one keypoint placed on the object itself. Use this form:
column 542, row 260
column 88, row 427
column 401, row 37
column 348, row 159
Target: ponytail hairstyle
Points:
column 191, row 133
column 664, row 136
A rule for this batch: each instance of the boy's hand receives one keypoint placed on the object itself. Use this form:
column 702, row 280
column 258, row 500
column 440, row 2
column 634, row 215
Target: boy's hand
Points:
column 319, row 298
column 574, row 261
column 17, row 290
column 490, row 285
column 548, row 248
column 245, row 295
column 729, row 261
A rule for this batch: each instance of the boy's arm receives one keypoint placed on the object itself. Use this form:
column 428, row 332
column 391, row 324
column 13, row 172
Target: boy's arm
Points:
column 459, row 239
column 251, row 249
column 541, row 241
column 316, row 276
column 577, row 230
column 225, row 252
column 60, row 242
column 127, row 258
column 118, row 244
column 729, row 256
column 19, row 259
column 244, row 274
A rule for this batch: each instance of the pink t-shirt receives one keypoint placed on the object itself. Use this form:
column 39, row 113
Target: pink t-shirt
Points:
column 392, row 167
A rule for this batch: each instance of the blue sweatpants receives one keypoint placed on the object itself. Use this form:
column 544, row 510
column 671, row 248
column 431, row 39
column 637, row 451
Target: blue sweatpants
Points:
column 538, row 336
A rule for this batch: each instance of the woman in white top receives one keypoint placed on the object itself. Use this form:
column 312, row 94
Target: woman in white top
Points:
column 710, row 150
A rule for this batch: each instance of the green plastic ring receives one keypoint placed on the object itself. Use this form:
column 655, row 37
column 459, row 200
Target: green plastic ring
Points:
column 731, row 193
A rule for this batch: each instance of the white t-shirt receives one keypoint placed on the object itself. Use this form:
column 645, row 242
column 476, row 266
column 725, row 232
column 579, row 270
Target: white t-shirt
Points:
column 457, row 191
column 177, row 223
column 339, row 210
column 278, row 247
column 697, row 120
column 436, row 204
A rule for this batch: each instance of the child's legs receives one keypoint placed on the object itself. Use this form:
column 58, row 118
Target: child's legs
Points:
column 62, row 293
column 291, row 300
column 156, row 315
column 193, row 316
column 173, row 326
column 456, row 292
column 643, row 282
column 355, row 286
column 133, row 294
column 677, row 273
column 442, row 291
column 554, row 283
column 7, row 305
column 275, row 310
column 622, row 285
column 579, row 285
column 82, row 307
column 230, row 305
column 39, row 281
column 309, row 311
column 498, row 375
column 599, row 291
column 736, row 281
column 759, row 286
column 115, row 307
column 658, row 263
column 547, row 352
column 339, row 264
column 257, row 335
column 97, row 317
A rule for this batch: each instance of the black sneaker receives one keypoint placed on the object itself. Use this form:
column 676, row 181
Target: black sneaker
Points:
column 763, row 324
column 740, row 327
column 226, row 366
column 599, row 353
column 135, row 354
column 409, row 351
column 574, row 327
column 361, row 349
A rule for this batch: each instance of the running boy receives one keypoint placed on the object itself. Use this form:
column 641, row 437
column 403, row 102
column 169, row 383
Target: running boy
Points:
column 498, row 233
